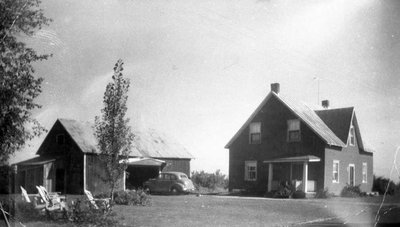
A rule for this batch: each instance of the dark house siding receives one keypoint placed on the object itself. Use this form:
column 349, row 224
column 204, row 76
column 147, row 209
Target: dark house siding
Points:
column 348, row 155
column 95, row 176
column 273, row 117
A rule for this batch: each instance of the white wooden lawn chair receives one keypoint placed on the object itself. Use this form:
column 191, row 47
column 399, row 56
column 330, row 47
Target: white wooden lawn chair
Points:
column 25, row 195
column 98, row 203
column 52, row 205
column 36, row 204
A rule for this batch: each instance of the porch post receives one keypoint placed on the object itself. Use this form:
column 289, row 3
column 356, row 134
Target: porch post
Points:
column 270, row 169
column 124, row 180
column 84, row 172
column 305, row 176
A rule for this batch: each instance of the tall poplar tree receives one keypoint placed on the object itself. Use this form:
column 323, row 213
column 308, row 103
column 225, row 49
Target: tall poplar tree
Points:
column 112, row 131
column 18, row 85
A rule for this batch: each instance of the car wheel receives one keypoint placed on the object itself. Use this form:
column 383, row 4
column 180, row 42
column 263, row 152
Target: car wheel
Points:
column 147, row 189
column 174, row 191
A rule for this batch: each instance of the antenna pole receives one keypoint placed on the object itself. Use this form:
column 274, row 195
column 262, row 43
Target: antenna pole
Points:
column 318, row 91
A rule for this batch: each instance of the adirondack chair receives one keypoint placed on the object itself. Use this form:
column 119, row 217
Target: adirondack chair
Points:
column 36, row 203
column 25, row 195
column 54, row 196
column 103, row 204
column 53, row 205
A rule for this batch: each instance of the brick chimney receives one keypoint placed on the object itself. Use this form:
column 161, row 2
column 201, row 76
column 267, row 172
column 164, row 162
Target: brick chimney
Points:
column 275, row 87
column 325, row 104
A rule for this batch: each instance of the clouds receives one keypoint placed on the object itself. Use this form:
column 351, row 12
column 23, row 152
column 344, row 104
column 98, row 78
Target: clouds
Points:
column 199, row 68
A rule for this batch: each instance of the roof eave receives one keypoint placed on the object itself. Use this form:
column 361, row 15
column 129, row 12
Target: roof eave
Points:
column 249, row 120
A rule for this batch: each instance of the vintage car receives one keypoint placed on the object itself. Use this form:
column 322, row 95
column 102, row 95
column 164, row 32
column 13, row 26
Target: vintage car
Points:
column 169, row 182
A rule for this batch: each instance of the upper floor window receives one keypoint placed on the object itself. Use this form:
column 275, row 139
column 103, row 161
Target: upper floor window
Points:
column 250, row 170
column 255, row 133
column 335, row 171
column 352, row 137
column 60, row 139
column 364, row 172
column 293, row 134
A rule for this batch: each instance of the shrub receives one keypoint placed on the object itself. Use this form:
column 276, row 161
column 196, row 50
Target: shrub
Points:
column 6, row 176
column 380, row 184
column 285, row 190
column 81, row 214
column 210, row 180
column 351, row 191
column 299, row 195
column 323, row 194
column 129, row 197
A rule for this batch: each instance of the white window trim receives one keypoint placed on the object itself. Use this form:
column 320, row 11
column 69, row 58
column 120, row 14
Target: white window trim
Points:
column 354, row 174
column 250, row 141
column 246, row 171
column 288, row 138
column 366, row 172
column 338, row 171
column 352, row 135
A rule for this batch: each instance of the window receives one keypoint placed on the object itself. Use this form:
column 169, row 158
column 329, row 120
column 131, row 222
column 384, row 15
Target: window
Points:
column 255, row 133
column 352, row 138
column 364, row 172
column 293, row 130
column 335, row 172
column 352, row 173
column 60, row 139
column 250, row 171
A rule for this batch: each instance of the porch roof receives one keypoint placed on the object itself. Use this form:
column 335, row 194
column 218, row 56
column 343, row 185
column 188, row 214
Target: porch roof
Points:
column 40, row 160
column 145, row 162
column 305, row 158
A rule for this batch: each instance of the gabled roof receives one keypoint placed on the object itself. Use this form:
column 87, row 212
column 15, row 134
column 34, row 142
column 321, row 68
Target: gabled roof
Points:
column 146, row 143
column 304, row 113
column 82, row 134
column 338, row 120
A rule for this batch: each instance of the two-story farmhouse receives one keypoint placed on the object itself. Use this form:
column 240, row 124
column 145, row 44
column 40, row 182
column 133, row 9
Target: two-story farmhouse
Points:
column 286, row 141
column 68, row 160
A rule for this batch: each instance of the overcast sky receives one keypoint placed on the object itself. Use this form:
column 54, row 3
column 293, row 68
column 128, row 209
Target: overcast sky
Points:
column 199, row 68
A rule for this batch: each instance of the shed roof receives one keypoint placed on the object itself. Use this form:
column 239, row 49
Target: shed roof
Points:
column 305, row 158
column 304, row 113
column 147, row 143
column 39, row 160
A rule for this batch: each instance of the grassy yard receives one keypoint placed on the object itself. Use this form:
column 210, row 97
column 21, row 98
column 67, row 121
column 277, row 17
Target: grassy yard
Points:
column 239, row 211
column 190, row 210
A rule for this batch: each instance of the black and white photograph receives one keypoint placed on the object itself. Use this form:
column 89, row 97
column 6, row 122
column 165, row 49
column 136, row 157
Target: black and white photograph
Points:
column 199, row 113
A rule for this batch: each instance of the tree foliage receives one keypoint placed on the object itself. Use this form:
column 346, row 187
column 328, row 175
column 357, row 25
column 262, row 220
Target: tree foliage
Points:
column 210, row 180
column 18, row 86
column 112, row 131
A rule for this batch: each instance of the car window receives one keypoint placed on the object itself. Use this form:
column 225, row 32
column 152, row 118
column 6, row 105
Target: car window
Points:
column 183, row 176
column 173, row 177
column 167, row 177
column 161, row 176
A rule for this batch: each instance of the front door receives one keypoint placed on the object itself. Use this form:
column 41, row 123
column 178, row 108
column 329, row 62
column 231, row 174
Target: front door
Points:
column 351, row 175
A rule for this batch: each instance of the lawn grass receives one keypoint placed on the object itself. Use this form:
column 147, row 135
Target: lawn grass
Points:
column 192, row 210
column 240, row 211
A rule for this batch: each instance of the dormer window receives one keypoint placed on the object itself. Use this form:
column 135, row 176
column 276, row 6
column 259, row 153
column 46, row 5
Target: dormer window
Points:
column 352, row 137
column 60, row 139
column 293, row 133
column 255, row 133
